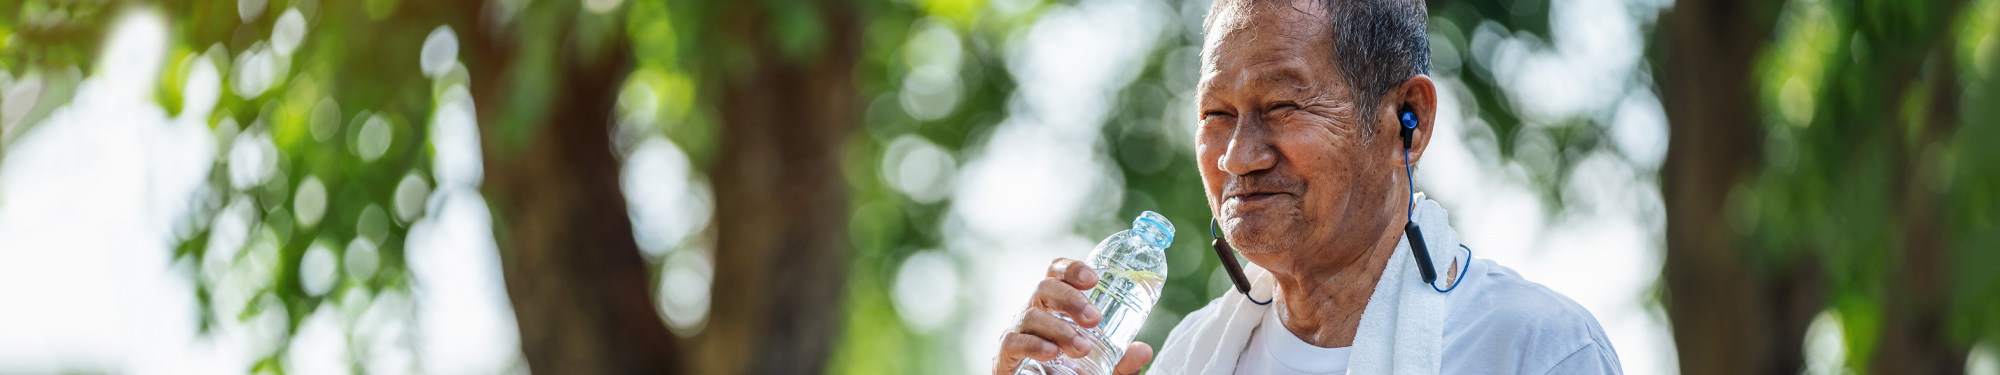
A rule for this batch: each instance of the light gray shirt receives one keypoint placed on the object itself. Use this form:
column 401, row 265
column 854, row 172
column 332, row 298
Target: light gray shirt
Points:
column 1497, row 323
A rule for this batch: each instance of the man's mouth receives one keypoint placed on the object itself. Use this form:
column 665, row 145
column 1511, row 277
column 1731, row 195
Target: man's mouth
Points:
column 1253, row 197
column 1249, row 198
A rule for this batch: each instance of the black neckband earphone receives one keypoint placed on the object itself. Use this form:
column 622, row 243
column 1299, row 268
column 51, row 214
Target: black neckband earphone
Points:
column 1418, row 249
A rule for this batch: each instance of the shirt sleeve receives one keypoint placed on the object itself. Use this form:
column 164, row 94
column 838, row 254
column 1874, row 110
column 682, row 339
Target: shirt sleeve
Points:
column 1591, row 359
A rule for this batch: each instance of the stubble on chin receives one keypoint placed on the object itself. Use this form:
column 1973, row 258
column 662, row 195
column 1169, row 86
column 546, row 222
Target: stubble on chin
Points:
column 1266, row 234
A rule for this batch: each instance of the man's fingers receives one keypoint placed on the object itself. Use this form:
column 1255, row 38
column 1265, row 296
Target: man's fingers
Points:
column 1074, row 272
column 1055, row 330
column 1135, row 359
column 1016, row 346
column 1057, row 295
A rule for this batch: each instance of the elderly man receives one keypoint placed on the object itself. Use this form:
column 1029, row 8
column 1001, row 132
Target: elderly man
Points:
column 1305, row 159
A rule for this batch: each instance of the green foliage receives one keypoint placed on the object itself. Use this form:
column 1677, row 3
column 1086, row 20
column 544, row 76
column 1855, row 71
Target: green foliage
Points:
column 1871, row 107
column 1878, row 146
column 45, row 33
column 350, row 80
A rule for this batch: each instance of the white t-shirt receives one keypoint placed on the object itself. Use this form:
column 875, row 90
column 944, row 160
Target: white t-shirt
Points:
column 1498, row 324
column 1274, row 350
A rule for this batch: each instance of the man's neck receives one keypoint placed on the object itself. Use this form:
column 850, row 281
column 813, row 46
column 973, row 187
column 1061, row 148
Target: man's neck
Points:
column 1323, row 306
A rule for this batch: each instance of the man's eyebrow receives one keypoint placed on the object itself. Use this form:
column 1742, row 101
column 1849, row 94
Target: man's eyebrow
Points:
column 1279, row 78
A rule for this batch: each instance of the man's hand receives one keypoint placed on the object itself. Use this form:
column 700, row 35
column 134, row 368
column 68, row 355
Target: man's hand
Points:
column 1041, row 335
column 1136, row 357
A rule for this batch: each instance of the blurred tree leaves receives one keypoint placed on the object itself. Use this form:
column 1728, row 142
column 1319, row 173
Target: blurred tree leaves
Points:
column 1874, row 166
column 1874, row 158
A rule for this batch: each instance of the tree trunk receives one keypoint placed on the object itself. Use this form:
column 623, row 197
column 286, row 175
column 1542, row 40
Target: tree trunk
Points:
column 1914, row 336
column 1729, row 316
column 578, row 284
column 579, row 287
column 781, row 199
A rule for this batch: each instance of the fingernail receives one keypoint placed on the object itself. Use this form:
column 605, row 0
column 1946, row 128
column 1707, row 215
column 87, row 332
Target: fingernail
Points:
column 1082, row 345
column 1089, row 276
column 1093, row 314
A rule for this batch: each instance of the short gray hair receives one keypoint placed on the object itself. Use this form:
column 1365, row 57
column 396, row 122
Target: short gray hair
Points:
column 1377, row 45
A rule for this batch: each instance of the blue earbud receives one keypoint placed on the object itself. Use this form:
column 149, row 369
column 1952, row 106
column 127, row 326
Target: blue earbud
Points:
column 1409, row 126
column 1417, row 247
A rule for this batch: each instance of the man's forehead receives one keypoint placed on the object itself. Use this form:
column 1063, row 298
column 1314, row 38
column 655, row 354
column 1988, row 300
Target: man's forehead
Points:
column 1233, row 25
column 1276, row 38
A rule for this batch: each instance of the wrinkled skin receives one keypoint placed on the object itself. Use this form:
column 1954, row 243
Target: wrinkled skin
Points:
column 1301, row 185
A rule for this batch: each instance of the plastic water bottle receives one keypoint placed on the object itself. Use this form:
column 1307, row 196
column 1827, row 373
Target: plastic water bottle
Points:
column 1131, row 268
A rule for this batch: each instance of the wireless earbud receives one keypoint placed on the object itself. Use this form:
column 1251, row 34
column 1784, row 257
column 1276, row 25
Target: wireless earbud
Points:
column 1409, row 129
column 1229, row 264
column 1417, row 248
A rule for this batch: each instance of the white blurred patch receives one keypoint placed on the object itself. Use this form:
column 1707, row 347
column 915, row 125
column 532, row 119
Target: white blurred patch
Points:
column 320, row 347
column 265, row 329
column 933, row 54
column 309, row 204
column 440, row 51
column 1640, row 129
column 288, row 32
column 1826, row 345
column 91, row 197
column 685, row 281
column 601, row 6
column 930, row 92
column 666, row 201
column 317, row 270
column 362, row 258
column 373, row 139
column 226, row 238
column 253, row 158
column 410, row 195
column 382, row 337
column 918, row 168
column 933, row 43
column 1983, row 360
column 1594, row 54
column 17, row 96
column 464, row 322
column 257, row 69
column 926, row 290
column 455, row 138
column 249, row 10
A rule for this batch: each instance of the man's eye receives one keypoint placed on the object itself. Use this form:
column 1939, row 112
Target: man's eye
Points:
column 1283, row 106
column 1205, row 116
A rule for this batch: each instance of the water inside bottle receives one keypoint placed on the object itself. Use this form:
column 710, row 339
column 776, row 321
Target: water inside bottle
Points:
column 1131, row 272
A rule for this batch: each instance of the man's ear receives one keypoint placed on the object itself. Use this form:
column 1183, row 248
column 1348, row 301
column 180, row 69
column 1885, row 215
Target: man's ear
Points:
column 1419, row 95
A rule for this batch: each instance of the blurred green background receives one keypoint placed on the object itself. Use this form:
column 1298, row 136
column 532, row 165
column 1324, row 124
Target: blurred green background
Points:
column 873, row 187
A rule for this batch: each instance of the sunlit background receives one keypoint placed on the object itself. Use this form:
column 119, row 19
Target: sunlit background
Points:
column 326, row 187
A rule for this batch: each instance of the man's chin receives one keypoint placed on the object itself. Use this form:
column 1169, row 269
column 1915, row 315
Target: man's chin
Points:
column 1259, row 240
column 1258, row 249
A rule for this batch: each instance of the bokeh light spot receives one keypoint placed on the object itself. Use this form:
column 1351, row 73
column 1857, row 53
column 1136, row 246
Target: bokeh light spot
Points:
column 926, row 290
column 310, row 202
column 685, row 280
column 440, row 51
column 317, row 270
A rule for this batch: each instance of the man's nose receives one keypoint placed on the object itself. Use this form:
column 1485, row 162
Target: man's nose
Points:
column 1249, row 149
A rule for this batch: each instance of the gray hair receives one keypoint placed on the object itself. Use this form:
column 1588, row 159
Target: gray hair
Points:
column 1377, row 44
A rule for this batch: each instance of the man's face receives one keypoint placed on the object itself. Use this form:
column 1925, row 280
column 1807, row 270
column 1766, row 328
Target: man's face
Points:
column 1289, row 169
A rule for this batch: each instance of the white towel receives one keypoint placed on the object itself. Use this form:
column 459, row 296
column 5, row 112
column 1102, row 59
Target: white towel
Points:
column 1401, row 332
